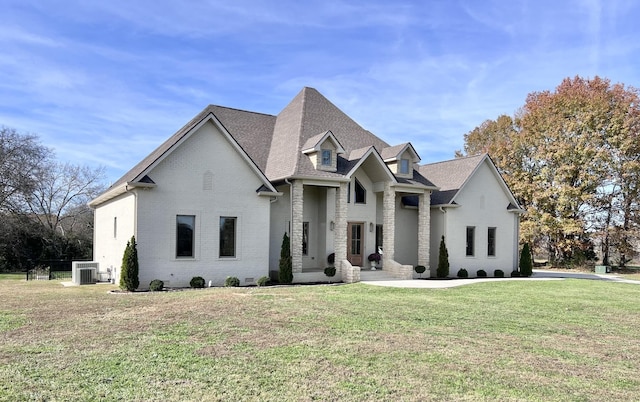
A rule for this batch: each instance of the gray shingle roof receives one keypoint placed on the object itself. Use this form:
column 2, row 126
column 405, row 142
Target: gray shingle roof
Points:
column 274, row 143
column 450, row 176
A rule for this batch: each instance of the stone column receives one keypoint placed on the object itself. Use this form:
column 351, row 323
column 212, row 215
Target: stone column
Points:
column 297, row 202
column 389, row 224
column 424, row 222
column 340, row 227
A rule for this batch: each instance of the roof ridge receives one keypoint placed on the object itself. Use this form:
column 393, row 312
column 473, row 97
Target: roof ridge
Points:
column 456, row 159
column 240, row 110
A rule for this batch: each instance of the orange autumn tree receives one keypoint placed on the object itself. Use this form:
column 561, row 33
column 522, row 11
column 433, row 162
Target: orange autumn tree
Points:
column 571, row 158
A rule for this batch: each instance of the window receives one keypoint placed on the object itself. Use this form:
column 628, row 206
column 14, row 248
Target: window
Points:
column 491, row 242
column 326, row 157
column 471, row 234
column 227, row 236
column 305, row 238
column 349, row 192
column 185, row 230
column 360, row 194
column 404, row 166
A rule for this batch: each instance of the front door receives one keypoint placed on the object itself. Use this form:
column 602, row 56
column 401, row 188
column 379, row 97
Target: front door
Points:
column 355, row 233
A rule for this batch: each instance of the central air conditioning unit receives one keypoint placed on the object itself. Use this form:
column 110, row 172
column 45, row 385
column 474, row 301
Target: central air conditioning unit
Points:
column 87, row 275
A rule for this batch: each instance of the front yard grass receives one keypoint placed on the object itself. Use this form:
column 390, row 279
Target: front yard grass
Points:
column 520, row 340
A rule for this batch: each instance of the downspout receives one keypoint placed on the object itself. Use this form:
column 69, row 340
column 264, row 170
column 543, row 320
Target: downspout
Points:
column 444, row 221
column 290, row 205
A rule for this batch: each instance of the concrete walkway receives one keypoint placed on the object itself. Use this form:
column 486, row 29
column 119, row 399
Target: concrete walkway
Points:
column 538, row 275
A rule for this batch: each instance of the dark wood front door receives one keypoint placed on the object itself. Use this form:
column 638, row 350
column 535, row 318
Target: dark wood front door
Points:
column 355, row 243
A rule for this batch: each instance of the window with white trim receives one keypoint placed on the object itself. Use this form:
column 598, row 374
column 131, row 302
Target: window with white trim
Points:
column 491, row 242
column 326, row 157
column 360, row 193
column 404, row 166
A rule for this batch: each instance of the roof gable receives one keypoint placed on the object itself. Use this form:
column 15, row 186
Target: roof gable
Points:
column 452, row 176
column 395, row 152
column 138, row 174
column 314, row 144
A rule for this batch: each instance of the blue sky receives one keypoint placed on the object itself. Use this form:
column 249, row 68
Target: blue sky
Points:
column 104, row 83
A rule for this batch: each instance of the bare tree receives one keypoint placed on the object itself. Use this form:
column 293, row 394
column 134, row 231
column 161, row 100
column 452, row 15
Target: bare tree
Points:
column 21, row 161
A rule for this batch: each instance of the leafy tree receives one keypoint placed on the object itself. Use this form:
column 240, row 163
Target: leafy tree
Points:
column 286, row 271
column 129, row 271
column 443, row 260
column 526, row 263
column 571, row 158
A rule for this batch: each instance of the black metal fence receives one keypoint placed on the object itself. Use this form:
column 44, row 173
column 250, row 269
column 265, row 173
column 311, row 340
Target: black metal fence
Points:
column 50, row 269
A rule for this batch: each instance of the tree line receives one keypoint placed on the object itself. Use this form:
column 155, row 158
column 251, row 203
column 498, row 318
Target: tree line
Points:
column 572, row 159
column 43, row 204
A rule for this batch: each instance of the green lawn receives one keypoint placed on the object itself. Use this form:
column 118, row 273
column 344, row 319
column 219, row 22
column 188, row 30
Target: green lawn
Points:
column 516, row 340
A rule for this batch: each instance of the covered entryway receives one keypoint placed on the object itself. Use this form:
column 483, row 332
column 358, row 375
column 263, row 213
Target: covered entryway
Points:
column 355, row 242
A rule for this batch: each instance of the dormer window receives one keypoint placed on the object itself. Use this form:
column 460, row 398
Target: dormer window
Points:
column 326, row 157
column 404, row 166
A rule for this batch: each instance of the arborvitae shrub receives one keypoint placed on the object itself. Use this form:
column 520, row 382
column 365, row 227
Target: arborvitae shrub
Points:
column 232, row 281
column 481, row 273
column 285, row 275
column 156, row 285
column 498, row 273
column 462, row 273
column 262, row 281
column 443, row 260
column 197, row 282
column 526, row 263
column 129, row 272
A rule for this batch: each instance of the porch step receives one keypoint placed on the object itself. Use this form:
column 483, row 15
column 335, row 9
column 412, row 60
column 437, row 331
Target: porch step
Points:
column 378, row 275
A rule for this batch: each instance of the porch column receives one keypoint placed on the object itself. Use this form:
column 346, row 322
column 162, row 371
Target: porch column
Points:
column 340, row 228
column 424, row 222
column 389, row 222
column 297, row 200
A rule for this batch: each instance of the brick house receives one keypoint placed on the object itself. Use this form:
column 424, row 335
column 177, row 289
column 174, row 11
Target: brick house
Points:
column 216, row 198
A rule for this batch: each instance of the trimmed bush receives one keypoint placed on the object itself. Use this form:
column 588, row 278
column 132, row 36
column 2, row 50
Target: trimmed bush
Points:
column 481, row 274
column 462, row 273
column 498, row 273
column 129, row 280
column 262, row 281
column 515, row 274
column 330, row 271
column 420, row 269
column 156, row 285
column 285, row 275
column 232, row 282
column 443, row 260
column 197, row 282
column 526, row 262
column 331, row 258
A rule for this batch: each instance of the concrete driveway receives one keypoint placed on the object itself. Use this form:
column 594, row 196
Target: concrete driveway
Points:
column 538, row 275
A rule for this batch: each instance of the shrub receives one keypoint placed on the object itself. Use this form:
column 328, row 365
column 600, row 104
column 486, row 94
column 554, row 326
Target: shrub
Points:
column 481, row 274
column 420, row 269
column 156, row 285
column 285, row 275
column 262, row 281
column 526, row 263
column 197, row 282
column 129, row 272
column 462, row 273
column 232, row 281
column 443, row 260
column 498, row 273
column 330, row 271
column 515, row 274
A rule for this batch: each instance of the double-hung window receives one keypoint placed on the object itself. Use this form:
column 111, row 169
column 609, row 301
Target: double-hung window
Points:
column 326, row 157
